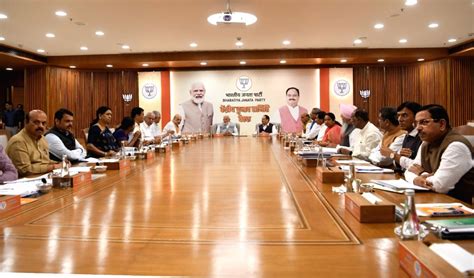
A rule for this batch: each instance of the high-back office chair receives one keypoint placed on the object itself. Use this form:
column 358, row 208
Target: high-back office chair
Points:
column 467, row 131
column 85, row 133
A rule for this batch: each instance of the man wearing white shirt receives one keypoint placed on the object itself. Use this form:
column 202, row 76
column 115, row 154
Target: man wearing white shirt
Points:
column 172, row 127
column 266, row 128
column 369, row 137
column 317, row 121
column 444, row 162
column 392, row 139
column 60, row 139
column 156, row 124
column 227, row 128
column 288, row 116
column 147, row 128
column 406, row 117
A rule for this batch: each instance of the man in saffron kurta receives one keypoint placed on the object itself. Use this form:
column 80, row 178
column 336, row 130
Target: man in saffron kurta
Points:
column 289, row 115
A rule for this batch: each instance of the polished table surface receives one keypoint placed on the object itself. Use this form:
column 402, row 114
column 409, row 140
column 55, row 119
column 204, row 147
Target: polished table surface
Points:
column 215, row 207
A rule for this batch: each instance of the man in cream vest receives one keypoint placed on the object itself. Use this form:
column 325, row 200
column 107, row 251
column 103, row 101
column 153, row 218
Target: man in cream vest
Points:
column 197, row 114
column 444, row 162
column 289, row 115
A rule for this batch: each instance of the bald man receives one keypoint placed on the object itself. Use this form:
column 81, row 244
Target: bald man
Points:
column 196, row 113
column 147, row 128
column 28, row 149
column 227, row 128
column 172, row 127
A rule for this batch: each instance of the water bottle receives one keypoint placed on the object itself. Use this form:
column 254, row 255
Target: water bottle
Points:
column 411, row 223
column 65, row 166
column 350, row 178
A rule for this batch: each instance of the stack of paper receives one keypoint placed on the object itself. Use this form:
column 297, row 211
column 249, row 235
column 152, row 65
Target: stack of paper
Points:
column 367, row 169
column 397, row 184
column 443, row 209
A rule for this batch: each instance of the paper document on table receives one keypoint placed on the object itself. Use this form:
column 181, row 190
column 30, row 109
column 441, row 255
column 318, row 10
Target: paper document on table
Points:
column 80, row 169
column 352, row 161
column 443, row 209
column 456, row 256
column 92, row 160
column 109, row 160
column 22, row 189
column 367, row 169
column 398, row 184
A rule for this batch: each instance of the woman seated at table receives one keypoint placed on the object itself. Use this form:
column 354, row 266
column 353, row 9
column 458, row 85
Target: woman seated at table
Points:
column 332, row 136
column 100, row 141
column 122, row 133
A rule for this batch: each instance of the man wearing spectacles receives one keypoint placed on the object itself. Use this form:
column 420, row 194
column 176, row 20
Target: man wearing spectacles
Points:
column 444, row 162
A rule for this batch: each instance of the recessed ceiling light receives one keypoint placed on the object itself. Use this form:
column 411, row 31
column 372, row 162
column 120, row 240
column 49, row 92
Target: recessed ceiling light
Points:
column 72, row 67
column 343, row 60
column 420, row 59
column 3, row 16
column 433, row 25
column 357, row 41
column 452, row 40
column 125, row 46
column 410, row 2
column 2, row 38
column 110, row 66
column 9, row 69
column 99, row 33
column 61, row 13
column 282, row 61
column 239, row 43
column 243, row 62
column 145, row 65
column 50, row 35
column 193, row 44
column 84, row 48
column 403, row 41
column 380, row 60
column 286, row 42
column 203, row 63
column 378, row 26
column 40, row 50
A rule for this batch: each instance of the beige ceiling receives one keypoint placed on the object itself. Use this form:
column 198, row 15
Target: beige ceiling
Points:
column 171, row 25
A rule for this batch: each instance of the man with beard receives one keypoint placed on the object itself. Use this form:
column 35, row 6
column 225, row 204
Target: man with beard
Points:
column 60, row 139
column 196, row 113
column 349, row 133
column 444, row 161
column 288, row 116
column 28, row 149
column 172, row 127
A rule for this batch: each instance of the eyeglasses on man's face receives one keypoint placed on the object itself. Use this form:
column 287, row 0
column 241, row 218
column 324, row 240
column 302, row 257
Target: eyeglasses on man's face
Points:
column 424, row 122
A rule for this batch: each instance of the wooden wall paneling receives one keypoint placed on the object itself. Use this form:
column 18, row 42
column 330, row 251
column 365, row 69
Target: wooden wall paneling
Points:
column 83, row 104
column 462, row 91
column 130, row 85
column 433, row 82
column 393, row 87
column 35, row 89
column 377, row 92
column 114, row 96
column 99, row 91
column 360, row 80
column 411, row 83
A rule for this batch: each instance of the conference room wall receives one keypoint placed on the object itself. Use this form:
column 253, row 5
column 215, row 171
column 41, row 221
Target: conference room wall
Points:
column 448, row 82
column 51, row 88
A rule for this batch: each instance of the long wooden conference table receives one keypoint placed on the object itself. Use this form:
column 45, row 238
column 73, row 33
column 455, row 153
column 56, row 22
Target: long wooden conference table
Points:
column 215, row 207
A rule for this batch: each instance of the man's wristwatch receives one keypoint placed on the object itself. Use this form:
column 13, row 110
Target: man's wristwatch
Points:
column 392, row 155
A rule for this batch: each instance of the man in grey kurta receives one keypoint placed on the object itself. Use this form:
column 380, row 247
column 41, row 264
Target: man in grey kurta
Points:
column 197, row 114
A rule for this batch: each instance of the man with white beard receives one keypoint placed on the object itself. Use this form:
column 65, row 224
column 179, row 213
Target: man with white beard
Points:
column 197, row 114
